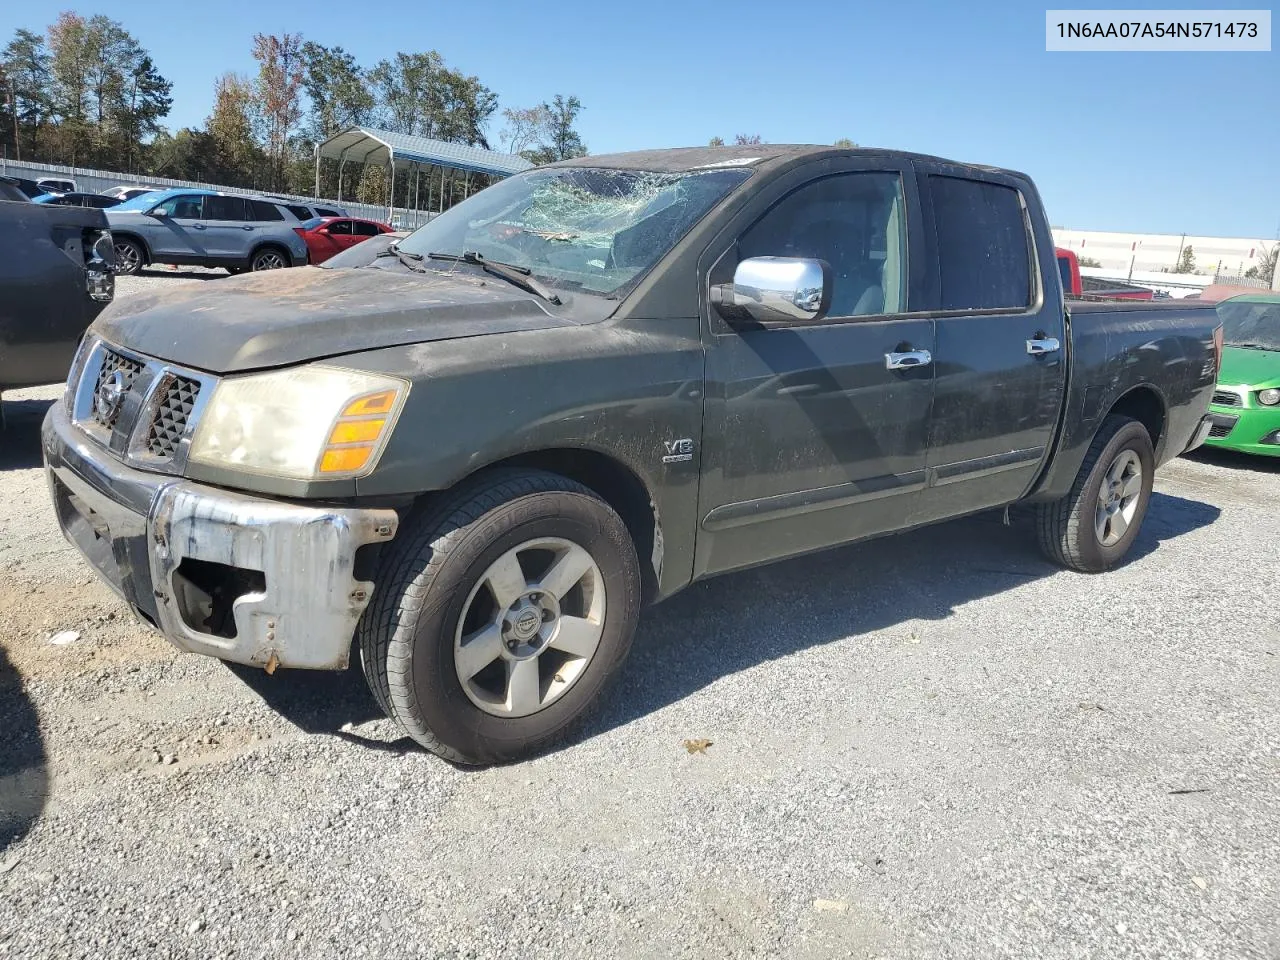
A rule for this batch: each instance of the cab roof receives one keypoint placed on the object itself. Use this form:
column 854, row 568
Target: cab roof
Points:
column 750, row 156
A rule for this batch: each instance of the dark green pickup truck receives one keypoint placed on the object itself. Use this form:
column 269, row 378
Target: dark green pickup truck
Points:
column 478, row 452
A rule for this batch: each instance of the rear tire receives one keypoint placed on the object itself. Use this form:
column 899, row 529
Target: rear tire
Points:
column 129, row 256
column 1095, row 524
column 500, row 615
column 269, row 258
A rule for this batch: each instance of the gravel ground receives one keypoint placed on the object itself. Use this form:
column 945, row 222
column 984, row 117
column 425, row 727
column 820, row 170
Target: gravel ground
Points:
column 935, row 745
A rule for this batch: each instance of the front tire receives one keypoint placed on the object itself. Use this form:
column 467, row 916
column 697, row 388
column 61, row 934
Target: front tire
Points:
column 1095, row 524
column 500, row 616
column 129, row 256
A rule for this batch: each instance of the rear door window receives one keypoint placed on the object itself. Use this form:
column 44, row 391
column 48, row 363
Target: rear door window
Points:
column 263, row 211
column 364, row 229
column 224, row 208
column 326, row 212
column 984, row 255
column 301, row 212
column 340, row 228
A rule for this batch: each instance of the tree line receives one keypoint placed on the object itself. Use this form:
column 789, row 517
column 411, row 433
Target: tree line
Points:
column 86, row 93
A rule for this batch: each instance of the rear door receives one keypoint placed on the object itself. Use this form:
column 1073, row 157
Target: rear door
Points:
column 363, row 230
column 225, row 227
column 175, row 231
column 1000, row 359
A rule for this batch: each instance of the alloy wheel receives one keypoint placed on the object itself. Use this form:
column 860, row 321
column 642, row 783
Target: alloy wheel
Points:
column 268, row 260
column 530, row 627
column 1118, row 498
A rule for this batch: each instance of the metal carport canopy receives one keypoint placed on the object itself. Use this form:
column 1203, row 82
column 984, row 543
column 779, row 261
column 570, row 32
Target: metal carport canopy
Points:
column 368, row 145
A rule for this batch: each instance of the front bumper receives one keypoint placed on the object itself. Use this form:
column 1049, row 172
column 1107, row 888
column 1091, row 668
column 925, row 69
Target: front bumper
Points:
column 1244, row 428
column 237, row 577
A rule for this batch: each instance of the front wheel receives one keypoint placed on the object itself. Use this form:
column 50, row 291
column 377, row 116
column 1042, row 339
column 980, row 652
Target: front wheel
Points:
column 129, row 256
column 501, row 615
column 1095, row 524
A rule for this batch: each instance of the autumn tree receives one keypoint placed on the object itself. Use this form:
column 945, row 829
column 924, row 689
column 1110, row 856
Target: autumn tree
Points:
column 337, row 90
column 418, row 95
column 845, row 143
column 230, row 127
column 278, row 96
column 524, row 127
column 716, row 142
column 556, row 137
column 27, row 82
column 70, row 57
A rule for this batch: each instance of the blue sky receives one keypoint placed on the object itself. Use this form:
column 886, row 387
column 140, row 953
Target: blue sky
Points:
column 1159, row 142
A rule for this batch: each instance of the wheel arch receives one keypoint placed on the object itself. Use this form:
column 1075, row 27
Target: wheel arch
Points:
column 261, row 245
column 137, row 238
column 613, row 481
column 1147, row 405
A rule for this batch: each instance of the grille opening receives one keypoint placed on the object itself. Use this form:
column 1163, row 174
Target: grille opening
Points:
column 1222, row 429
column 205, row 593
column 113, row 363
column 1225, row 398
column 177, row 399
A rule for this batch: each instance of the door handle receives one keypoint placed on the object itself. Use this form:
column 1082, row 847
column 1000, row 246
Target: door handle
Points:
column 1043, row 345
column 197, row 226
column 246, row 227
column 907, row 359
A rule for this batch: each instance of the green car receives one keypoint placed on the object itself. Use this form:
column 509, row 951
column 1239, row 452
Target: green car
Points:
column 1246, row 403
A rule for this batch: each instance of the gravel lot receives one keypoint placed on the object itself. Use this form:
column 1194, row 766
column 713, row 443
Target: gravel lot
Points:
column 935, row 745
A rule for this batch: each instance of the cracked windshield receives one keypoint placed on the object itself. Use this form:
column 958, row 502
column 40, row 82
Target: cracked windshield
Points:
column 578, row 228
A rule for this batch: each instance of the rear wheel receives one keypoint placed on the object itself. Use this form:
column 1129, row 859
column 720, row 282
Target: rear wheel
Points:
column 1095, row 524
column 500, row 616
column 269, row 258
column 129, row 256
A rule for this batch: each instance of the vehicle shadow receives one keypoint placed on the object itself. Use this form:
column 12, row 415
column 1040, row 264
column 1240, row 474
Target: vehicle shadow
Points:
column 1234, row 460
column 20, row 438
column 163, row 272
column 24, row 777
column 734, row 622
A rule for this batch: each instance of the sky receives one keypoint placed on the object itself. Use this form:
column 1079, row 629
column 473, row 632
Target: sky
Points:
column 1141, row 142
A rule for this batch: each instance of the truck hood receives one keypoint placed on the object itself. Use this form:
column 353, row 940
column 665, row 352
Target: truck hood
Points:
column 280, row 317
column 1249, row 368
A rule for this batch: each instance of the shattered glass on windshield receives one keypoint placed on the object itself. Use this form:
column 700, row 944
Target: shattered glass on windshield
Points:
column 596, row 230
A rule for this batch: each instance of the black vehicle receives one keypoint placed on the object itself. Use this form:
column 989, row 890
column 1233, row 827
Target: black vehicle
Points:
column 28, row 188
column 481, row 449
column 95, row 200
column 55, row 277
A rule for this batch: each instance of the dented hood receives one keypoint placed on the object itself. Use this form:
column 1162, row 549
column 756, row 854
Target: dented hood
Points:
column 280, row 317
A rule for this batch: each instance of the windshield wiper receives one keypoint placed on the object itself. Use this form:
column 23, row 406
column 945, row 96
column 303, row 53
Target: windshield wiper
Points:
column 522, row 277
column 410, row 260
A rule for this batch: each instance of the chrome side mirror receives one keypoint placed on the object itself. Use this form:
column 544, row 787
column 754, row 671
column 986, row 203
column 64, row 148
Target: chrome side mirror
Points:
column 776, row 290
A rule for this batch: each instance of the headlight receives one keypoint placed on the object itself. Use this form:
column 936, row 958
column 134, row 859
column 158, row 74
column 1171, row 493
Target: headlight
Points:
column 311, row 423
column 1269, row 397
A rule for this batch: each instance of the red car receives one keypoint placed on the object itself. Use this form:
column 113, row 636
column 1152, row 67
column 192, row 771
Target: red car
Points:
column 326, row 236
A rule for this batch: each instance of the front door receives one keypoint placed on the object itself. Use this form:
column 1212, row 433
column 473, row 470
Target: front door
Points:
column 1001, row 351
column 810, row 438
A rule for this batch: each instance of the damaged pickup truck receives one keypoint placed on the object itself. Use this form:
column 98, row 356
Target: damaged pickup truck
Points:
column 476, row 453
